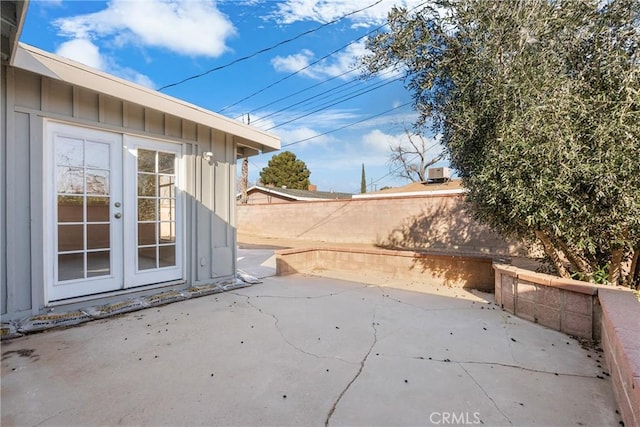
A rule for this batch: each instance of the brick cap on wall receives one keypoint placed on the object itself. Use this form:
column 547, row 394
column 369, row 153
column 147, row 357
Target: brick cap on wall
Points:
column 549, row 280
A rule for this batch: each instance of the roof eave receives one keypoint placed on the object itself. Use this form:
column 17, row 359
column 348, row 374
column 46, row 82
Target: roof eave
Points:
column 40, row 62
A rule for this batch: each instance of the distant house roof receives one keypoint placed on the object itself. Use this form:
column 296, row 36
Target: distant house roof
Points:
column 418, row 188
column 300, row 195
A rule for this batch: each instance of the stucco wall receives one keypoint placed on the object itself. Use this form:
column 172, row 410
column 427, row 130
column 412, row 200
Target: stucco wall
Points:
column 435, row 222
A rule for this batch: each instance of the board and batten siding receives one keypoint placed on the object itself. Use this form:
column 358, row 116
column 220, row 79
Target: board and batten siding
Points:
column 27, row 99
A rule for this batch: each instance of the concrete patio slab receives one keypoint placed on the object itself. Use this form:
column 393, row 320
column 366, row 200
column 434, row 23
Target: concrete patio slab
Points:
column 301, row 350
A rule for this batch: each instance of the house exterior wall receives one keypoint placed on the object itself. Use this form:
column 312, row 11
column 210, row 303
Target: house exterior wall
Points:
column 27, row 100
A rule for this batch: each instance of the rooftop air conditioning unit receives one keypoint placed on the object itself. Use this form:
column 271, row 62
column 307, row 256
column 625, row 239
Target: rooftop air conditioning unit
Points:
column 439, row 174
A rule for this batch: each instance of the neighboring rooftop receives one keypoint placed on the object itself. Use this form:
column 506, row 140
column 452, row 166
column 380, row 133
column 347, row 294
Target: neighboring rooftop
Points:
column 453, row 186
column 292, row 195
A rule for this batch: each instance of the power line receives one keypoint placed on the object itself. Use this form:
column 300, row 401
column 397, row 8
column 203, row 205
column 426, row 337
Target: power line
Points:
column 301, row 69
column 314, row 98
column 309, row 65
column 299, row 92
column 327, row 105
column 346, row 126
column 289, row 40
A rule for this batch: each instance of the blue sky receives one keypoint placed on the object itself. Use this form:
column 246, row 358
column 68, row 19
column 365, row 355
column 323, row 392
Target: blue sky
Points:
column 306, row 90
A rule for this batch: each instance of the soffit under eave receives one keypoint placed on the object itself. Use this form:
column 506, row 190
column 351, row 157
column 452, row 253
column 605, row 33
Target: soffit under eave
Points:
column 245, row 148
column 53, row 66
column 13, row 16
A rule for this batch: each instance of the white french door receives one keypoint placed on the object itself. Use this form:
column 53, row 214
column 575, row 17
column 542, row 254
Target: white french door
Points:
column 114, row 212
column 154, row 230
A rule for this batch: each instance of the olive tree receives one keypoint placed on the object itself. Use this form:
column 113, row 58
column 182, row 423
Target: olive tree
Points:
column 538, row 106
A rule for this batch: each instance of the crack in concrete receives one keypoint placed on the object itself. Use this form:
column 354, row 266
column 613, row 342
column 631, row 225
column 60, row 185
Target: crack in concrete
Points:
column 51, row 417
column 505, row 365
column 304, row 297
column 486, row 394
column 289, row 343
column 362, row 362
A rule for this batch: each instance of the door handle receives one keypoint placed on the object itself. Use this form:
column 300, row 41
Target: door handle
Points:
column 117, row 215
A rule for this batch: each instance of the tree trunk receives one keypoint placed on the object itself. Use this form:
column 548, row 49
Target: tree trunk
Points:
column 615, row 266
column 552, row 253
column 579, row 264
column 244, row 180
column 633, row 278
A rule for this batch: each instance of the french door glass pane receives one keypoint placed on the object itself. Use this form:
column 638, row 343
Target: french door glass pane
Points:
column 97, row 182
column 98, row 263
column 70, row 238
column 70, row 266
column 146, row 209
column 167, row 256
column 70, row 209
column 166, row 163
column 146, row 160
column 98, row 236
column 147, row 233
column 97, row 155
column 70, row 180
column 146, row 185
column 147, row 258
column 98, row 209
column 70, row 151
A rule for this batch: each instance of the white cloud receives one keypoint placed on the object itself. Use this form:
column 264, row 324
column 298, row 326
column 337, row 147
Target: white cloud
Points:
column 324, row 11
column 379, row 142
column 338, row 64
column 83, row 51
column 293, row 63
column 87, row 53
column 185, row 27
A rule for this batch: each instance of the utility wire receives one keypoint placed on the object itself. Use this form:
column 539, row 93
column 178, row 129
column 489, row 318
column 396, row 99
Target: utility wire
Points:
column 299, row 92
column 309, row 65
column 315, row 98
column 346, row 126
column 327, row 105
column 289, row 40
column 302, row 69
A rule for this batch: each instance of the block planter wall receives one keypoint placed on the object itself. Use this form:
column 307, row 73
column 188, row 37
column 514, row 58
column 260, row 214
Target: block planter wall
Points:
column 606, row 314
column 469, row 271
column 565, row 305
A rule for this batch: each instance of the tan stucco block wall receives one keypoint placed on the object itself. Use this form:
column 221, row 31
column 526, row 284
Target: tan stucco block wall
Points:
column 621, row 344
column 433, row 222
column 389, row 266
column 569, row 306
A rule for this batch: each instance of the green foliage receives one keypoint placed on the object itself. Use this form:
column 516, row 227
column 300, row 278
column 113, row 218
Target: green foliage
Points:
column 363, row 182
column 538, row 105
column 285, row 169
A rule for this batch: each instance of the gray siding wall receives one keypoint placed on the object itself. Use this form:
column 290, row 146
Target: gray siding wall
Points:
column 27, row 99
